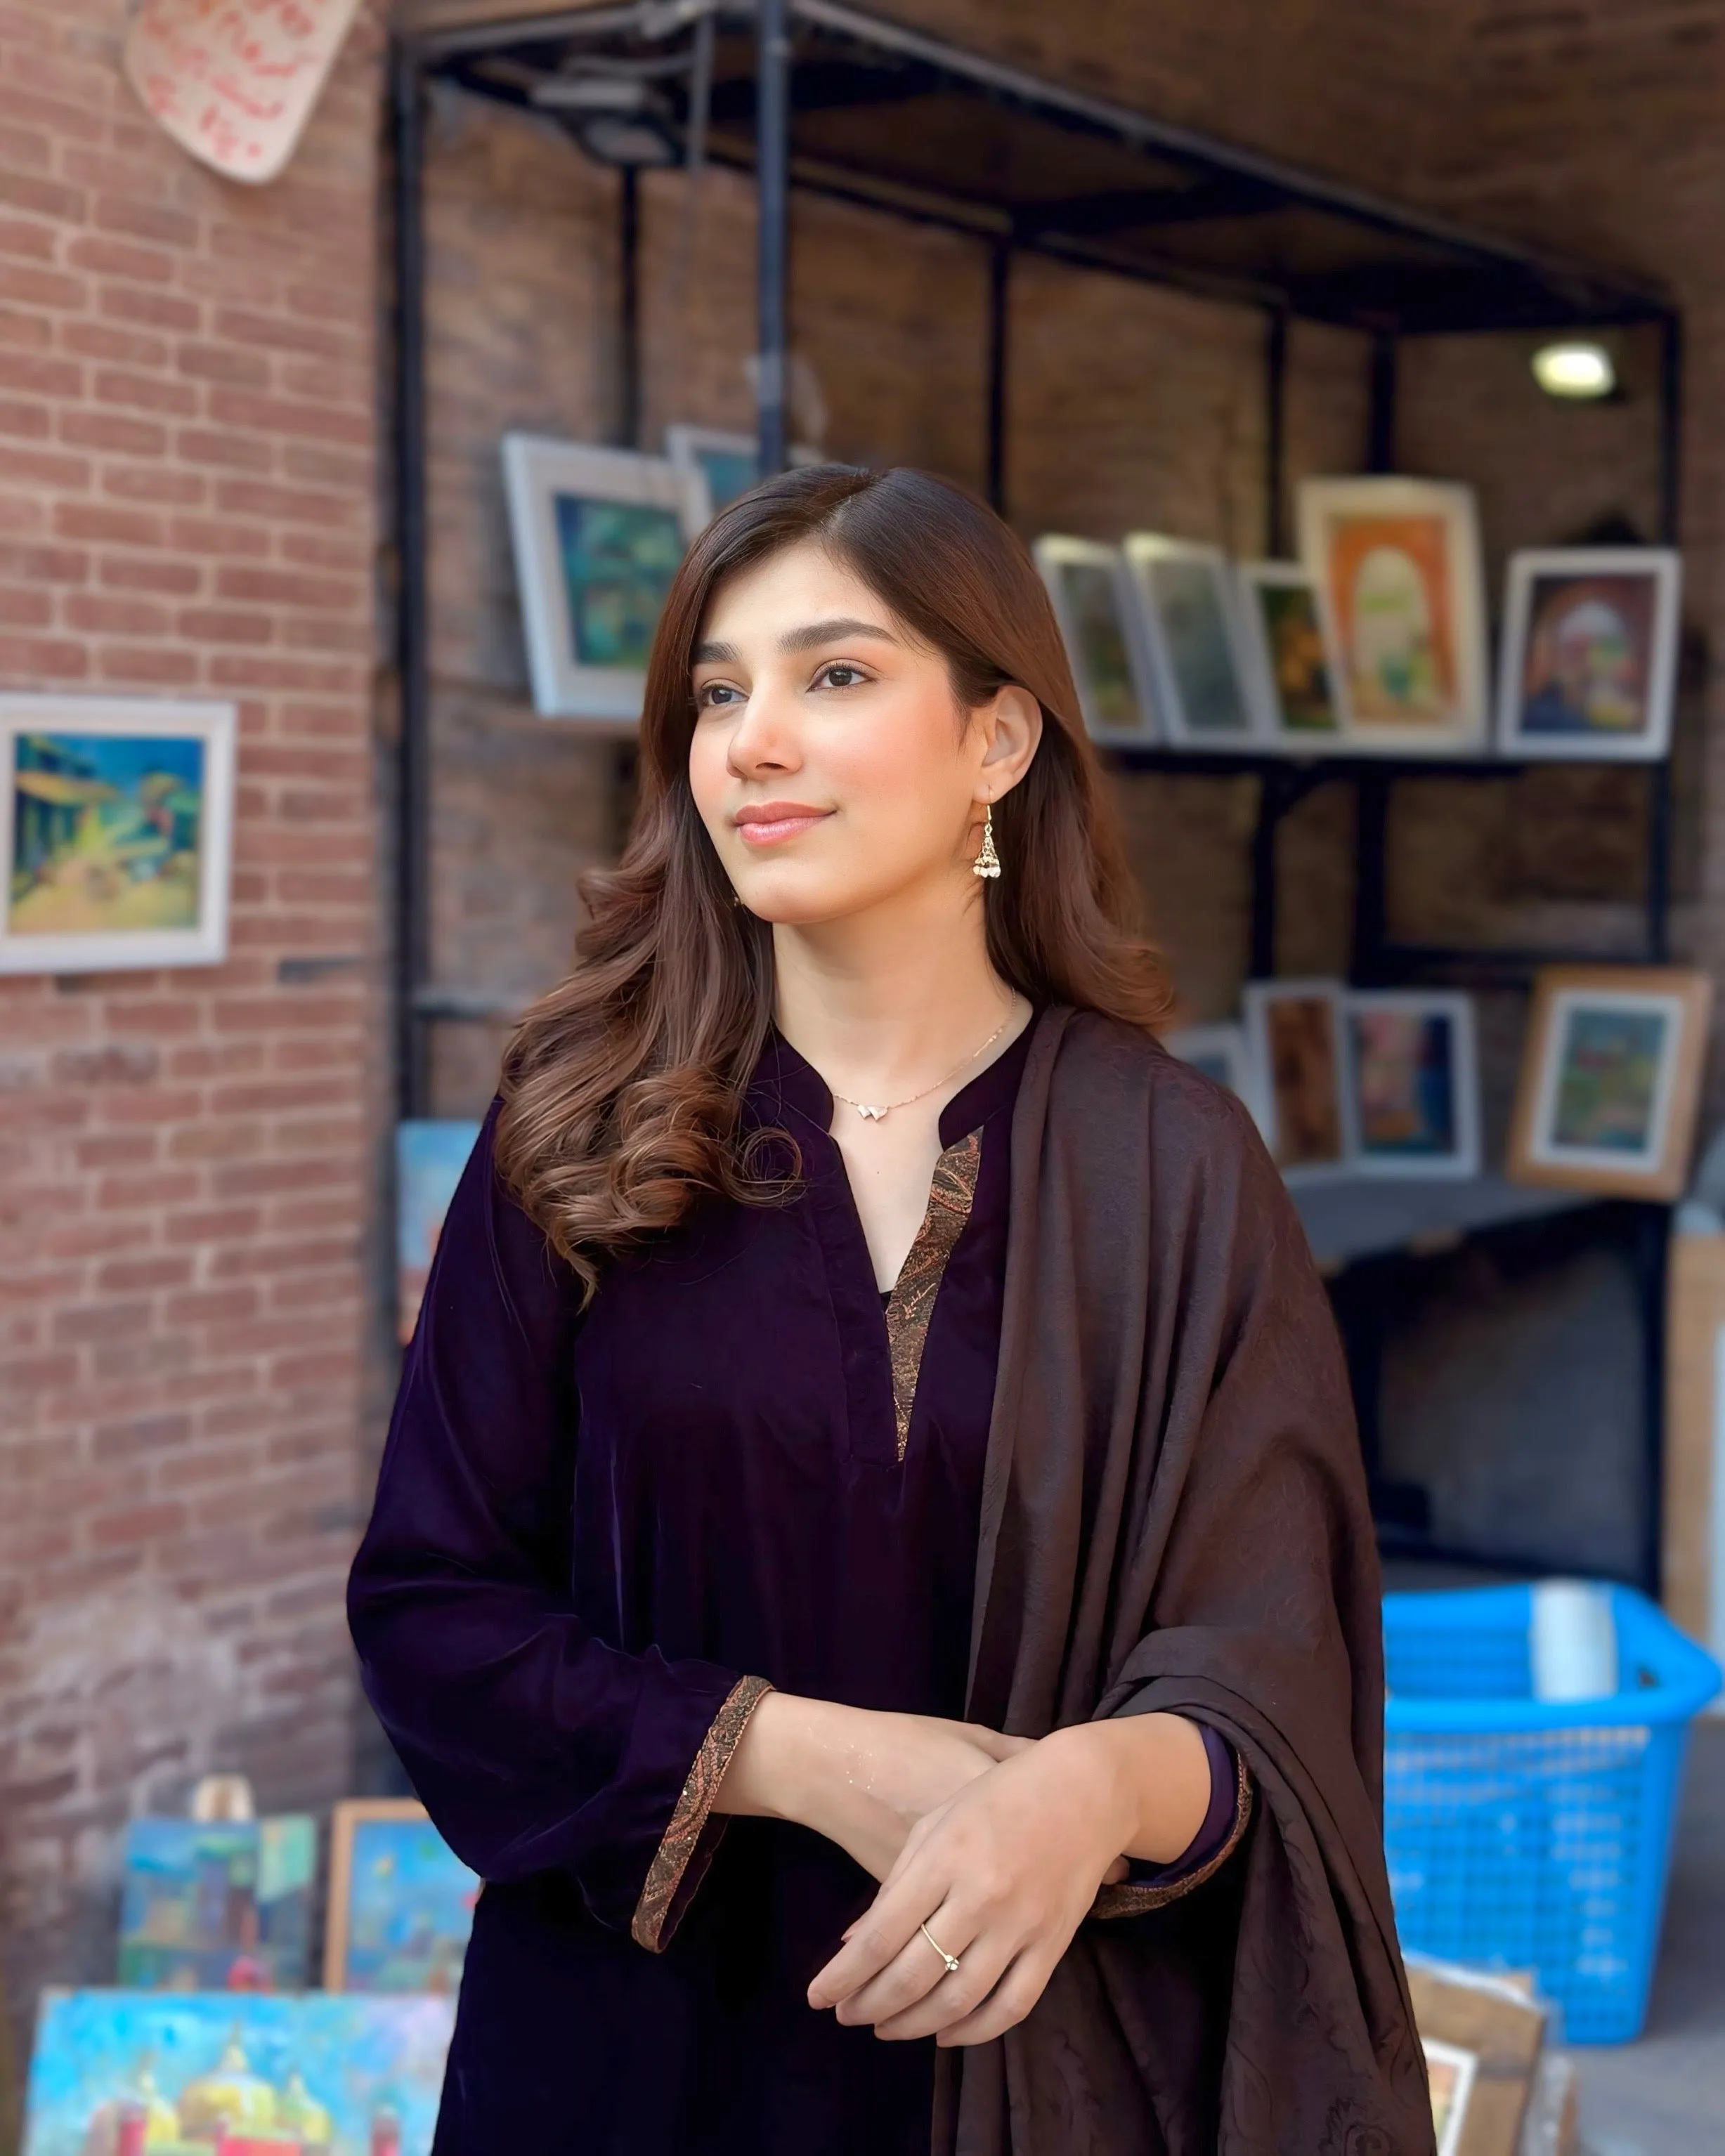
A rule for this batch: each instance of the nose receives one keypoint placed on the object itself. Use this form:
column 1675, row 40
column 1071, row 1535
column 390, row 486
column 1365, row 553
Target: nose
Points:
column 766, row 738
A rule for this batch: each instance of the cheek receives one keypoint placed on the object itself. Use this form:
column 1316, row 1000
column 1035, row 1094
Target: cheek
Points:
column 707, row 776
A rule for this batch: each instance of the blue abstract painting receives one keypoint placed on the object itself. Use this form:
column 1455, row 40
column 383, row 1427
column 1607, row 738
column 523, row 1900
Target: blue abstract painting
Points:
column 410, row 1902
column 235, row 2074
column 218, row 1906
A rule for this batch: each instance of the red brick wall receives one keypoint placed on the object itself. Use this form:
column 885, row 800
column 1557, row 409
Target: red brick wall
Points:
column 186, row 505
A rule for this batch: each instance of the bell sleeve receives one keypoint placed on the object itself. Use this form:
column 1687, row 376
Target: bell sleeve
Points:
column 535, row 1744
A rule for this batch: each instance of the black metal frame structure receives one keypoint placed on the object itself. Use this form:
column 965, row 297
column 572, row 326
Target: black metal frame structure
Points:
column 816, row 96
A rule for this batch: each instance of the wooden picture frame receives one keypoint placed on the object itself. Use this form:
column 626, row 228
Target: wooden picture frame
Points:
column 1489, row 2018
column 1589, row 666
column 1399, row 562
column 348, row 1823
column 116, row 833
column 1295, row 1028
column 1188, row 622
column 1092, row 601
column 598, row 536
column 1411, row 1082
column 1285, row 621
column 1610, row 1080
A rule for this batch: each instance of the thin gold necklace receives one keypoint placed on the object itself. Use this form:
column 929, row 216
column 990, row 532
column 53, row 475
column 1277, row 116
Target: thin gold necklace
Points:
column 873, row 1112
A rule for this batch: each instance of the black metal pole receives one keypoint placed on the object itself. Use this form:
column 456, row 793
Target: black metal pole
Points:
column 773, row 191
column 1371, row 810
column 1275, row 426
column 1671, row 428
column 1272, row 800
column 629, row 308
column 1380, row 417
column 999, row 305
column 412, row 924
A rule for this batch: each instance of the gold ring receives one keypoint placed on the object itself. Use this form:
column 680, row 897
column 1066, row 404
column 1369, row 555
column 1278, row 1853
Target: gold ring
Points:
column 950, row 1960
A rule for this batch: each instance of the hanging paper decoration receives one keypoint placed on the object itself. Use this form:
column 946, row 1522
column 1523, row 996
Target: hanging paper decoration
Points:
column 233, row 81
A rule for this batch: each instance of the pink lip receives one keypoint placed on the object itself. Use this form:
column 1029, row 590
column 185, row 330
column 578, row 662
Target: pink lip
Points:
column 763, row 823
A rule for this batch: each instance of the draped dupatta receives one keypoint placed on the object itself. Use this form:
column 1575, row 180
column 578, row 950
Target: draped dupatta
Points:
column 1174, row 1517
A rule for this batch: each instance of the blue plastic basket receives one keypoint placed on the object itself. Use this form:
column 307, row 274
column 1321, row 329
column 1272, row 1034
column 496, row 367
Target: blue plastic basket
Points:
column 1528, row 1836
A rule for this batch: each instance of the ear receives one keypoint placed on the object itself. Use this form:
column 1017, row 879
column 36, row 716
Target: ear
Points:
column 1012, row 726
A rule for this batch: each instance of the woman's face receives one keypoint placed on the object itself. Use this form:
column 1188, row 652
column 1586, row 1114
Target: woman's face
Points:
column 830, row 762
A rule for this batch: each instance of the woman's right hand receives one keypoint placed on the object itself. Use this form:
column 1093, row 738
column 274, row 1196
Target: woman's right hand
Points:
column 862, row 1779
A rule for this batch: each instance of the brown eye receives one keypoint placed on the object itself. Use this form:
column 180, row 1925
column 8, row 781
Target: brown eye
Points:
column 839, row 675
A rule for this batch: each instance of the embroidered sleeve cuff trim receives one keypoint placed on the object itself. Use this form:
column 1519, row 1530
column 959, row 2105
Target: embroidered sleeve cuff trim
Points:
column 682, row 1837
column 1124, row 1900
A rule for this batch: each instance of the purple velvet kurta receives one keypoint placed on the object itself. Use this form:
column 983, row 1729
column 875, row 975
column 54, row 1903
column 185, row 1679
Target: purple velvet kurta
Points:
column 588, row 1529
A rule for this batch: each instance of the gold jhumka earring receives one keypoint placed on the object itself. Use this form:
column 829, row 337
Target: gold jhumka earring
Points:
column 987, row 862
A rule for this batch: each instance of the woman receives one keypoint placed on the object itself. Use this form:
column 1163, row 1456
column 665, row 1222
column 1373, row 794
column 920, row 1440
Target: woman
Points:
column 870, row 1564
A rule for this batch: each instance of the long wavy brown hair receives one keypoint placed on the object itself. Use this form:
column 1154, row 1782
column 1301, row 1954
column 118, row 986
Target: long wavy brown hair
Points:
column 622, row 1089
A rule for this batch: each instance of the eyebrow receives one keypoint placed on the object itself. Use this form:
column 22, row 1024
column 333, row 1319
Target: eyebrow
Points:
column 809, row 638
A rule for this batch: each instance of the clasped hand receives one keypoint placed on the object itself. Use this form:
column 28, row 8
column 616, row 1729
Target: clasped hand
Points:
column 1003, row 1874
column 997, row 1844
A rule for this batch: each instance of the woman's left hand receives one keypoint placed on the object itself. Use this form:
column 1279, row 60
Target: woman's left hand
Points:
column 1003, row 1875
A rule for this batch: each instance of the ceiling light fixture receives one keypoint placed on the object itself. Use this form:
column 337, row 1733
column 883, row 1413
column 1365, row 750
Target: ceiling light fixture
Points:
column 1576, row 369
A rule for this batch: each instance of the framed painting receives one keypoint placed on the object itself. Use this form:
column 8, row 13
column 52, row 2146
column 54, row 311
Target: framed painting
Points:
column 1189, row 621
column 1412, row 1082
column 198, row 2073
column 1589, row 666
column 1222, row 1052
column 598, row 536
column 1610, row 1080
column 401, row 1901
column 719, row 466
column 1398, row 563
column 217, row 1905
column 1295, row 1031
column 116, row 845
column 1293, row 669
column 430, row 1158
column 1088, row 585
column 1450, row 2072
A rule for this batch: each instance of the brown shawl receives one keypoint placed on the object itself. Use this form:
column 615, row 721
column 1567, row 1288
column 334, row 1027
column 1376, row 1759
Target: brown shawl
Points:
column 1174, row 1517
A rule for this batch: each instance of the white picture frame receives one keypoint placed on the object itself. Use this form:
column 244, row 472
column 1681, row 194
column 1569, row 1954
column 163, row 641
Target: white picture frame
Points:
column 1285, row 619
column 117, row 839
column 718, row 464
column 1411, row 1095
column 1452, row 2072
column 1092, row 601
column 1601, row 626
column 1189, row 620
column 1298, row 1059
column 1223, row 1052
column 590, row 663
column 1399, row 562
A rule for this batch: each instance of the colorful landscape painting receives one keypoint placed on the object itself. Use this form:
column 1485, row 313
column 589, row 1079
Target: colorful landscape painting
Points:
column 144, row 2073
column 1589, row 654
column 1609, row 1069
column 1093, row 597
column 1390, row 576
column 1188, row 599
column 430, row 1158
column 618, row 559
column 1299, row 664
column 409, row 1907
column 106, row 833
column 218, row 1906
column 1404, row 1082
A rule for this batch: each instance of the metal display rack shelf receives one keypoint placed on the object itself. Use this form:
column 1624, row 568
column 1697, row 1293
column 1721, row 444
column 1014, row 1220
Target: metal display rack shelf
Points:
column 819, row 96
